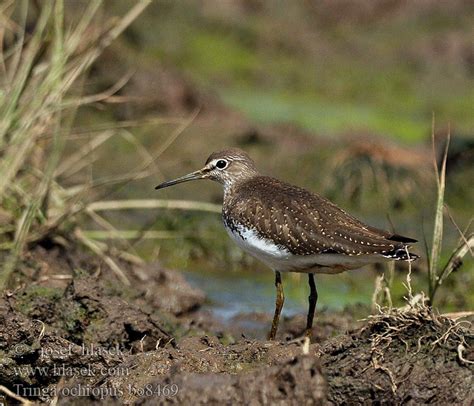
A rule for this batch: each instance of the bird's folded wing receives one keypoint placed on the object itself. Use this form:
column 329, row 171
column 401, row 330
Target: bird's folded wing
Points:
column 305, row 223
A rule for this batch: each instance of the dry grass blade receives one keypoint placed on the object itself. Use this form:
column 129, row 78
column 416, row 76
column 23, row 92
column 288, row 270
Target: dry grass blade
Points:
column 454, row 261
column 13, row 395
column 147, row 157
column 130, row 235
column 76, row 161
column 8, row 24
column 82, row 132
column 101, row 96
column 462, row 234
column 18, row 73
column 438, row 223
column 154, row 204
column 73, row 41
column 458, row 315
column 99, row 251
column 108, row 226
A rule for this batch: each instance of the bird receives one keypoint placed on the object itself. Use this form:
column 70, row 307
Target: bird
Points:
column 291, row 229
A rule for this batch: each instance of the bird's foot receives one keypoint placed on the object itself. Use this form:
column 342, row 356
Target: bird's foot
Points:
column 272, row 334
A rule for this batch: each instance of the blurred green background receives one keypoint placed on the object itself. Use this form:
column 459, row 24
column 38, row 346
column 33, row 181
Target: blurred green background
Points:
column 335, row 96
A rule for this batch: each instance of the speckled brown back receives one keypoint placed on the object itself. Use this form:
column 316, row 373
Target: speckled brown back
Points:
column 303, row 222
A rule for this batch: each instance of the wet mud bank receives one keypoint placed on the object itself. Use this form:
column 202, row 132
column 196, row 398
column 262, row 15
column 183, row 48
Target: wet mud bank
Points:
column 71, row 332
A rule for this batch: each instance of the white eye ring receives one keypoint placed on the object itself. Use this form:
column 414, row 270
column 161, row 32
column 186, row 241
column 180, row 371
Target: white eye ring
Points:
column 221, row 164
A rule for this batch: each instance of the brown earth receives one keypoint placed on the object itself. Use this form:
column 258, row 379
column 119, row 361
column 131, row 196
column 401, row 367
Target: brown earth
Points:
column 87, row 339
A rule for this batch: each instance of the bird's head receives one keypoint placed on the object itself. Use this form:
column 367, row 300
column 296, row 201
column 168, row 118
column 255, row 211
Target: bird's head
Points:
column 226, row 167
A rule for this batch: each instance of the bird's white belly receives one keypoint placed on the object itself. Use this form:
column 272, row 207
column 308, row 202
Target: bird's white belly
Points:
column 280, row 259
column 261, row 248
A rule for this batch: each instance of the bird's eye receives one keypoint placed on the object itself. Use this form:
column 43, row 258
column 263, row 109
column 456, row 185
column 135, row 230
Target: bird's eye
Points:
column 221, row 164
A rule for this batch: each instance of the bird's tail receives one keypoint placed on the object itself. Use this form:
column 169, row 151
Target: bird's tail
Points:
column 401, row 254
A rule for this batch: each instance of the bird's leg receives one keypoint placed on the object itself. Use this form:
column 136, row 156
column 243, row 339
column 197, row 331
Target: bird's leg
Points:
column 280, row 298
column 312, row 298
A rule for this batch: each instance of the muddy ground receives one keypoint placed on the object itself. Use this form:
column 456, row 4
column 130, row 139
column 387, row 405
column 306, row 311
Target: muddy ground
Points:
column 70, row 332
